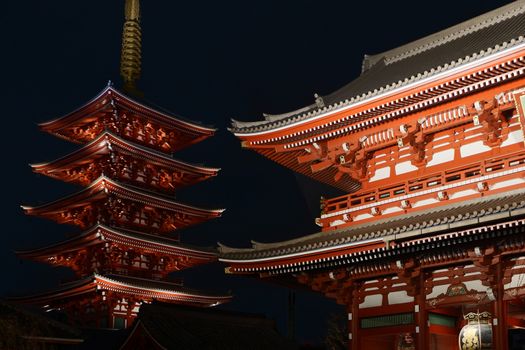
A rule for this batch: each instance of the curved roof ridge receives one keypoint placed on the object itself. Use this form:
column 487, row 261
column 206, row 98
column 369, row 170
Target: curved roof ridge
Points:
column 448, row 34
column 223, row 248
column 144, row 236
column 360, row 232
column 349, row 101
column 275, row 117
column 165, row 286
column 142, row 104
column 114, row 137
column 58, row 244
column 100, row 185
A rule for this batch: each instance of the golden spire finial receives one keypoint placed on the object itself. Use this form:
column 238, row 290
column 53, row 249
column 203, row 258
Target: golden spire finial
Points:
column 130, row 61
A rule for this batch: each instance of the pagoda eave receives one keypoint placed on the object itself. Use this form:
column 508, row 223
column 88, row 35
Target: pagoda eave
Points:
column 103, row 154
column 110, row 100
column 104, row 187
column 147, row 290
column 101, row 234
column 103, row 99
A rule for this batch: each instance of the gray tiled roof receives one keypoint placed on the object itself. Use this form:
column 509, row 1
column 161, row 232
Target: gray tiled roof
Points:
column 454, row 216
column 452, row 47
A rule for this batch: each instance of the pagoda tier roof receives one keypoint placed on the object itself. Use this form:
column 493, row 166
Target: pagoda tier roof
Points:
column 373, row 236
column 109, row 100
column 100, row 234
column 428, row 58
column 107, row 143
column 139, row 287
column 103, row 187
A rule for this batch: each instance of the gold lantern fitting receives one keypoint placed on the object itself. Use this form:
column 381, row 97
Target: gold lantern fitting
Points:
column 477, row 333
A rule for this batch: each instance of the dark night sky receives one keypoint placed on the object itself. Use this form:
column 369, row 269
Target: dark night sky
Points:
column 208, row 61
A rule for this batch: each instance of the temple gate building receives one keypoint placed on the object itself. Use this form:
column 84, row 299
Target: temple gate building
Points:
column 127, row 212
column 428, row 144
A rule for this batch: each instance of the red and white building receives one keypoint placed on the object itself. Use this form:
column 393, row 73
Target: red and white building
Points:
column 428, row 143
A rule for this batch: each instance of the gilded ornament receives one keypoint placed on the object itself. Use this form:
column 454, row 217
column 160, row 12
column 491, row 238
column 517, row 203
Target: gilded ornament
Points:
column 477, row 333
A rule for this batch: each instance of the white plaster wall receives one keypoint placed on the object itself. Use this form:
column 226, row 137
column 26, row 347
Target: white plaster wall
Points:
column 371, row 281
column 425, row 202
column 337, row 222
column 473, row 148
column 516, row 281
column 392, row 210
column 438, row 290
column 475, row 285
column 400, row 297
column 380, row 174
column 405, row 167
column 372, row 301
column 514, row 137
column 507, row 183
column 363, row 216
column 464, row 193
column 441, row 157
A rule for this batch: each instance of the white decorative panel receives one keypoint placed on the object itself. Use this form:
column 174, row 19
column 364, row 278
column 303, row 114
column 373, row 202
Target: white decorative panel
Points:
column 441, row 157
column 514, row 137
column 400, row 297
column 475, row 285
column 507, row 183
column 438, row 290
column 517, row 281
column 473, row 148
column 371, row 281
column 363, row 216
column 372, row 301
column 337, row 222
column 463, row 193
column 405, row 167
column 425, row 202
column 380, row 174
column 391, row 210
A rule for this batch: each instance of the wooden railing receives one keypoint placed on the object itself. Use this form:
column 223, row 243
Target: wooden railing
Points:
column 362, row 202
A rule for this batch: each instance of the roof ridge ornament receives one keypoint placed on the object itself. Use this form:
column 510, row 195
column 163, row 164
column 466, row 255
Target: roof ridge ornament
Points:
column 131, row 55
column 319, row 101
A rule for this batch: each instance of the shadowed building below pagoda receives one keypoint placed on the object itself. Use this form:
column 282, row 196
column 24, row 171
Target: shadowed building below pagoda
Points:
column 163, row 326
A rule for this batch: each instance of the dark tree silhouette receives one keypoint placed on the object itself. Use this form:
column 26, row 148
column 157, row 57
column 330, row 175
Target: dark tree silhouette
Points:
column 337, row 332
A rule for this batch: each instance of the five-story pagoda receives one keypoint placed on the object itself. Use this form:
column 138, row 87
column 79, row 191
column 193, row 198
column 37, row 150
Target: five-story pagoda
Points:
column 126, row 211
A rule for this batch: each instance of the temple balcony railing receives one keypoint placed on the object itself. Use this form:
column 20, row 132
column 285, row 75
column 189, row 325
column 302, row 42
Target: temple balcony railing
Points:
column 440, row 188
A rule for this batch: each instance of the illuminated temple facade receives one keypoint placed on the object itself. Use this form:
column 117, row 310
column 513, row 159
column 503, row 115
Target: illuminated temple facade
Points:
column 428, row 144
column 126, row 213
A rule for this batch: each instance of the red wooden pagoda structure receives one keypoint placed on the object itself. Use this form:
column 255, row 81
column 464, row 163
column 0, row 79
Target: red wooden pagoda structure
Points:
column 127, row 213
column 428, row 143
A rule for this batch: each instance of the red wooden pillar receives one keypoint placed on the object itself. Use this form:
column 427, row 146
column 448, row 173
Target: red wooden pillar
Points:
column 353, row 322
column 350, row 322
column 499, row 321
column 421, row 313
